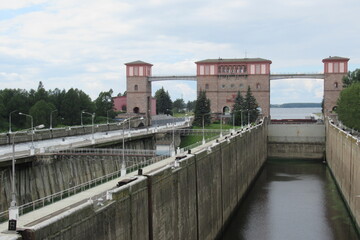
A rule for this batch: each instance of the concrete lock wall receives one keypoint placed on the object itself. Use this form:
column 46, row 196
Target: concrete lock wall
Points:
column 42, row 177
column 191, row 201
column 306, row 141
column 343, row 157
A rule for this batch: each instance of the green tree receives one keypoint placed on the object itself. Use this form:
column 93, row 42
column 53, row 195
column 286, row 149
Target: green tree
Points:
column 71, row 107
column 190, row 105
column 351, row 77
column 41, row 93
column 202, row 110
column 348, row 106
column 251, row 106
column 104, row 104
column 163, row 101
column 179, row 105
column 41, row 113
column 238, row 109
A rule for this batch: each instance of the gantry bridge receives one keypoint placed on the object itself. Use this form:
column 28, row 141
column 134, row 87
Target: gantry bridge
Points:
column 272, row 77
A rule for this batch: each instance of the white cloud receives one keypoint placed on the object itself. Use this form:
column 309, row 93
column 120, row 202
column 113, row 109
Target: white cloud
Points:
column 85, row 43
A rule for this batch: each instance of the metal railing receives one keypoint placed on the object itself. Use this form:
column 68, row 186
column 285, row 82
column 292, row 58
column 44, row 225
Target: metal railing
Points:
column 102, row 152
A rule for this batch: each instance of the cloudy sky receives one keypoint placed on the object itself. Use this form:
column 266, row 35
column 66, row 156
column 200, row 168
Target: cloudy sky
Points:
column 85, row 43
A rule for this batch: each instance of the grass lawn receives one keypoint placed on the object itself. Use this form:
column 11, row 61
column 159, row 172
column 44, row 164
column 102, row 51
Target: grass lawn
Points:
column 188, row 140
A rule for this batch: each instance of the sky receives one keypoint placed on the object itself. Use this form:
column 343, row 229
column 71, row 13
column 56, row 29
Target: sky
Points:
column 84, row 43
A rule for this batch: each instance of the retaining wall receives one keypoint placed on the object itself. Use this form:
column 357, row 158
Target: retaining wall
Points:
column 302, row 141
column 42, row 176
column 343, row 157
column 191, row 201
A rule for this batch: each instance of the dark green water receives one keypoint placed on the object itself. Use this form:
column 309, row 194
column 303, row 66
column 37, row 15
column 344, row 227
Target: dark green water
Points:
column 292, row 200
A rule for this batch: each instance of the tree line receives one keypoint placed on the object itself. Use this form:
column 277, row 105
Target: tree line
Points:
column 348, row 104
column 56, row 107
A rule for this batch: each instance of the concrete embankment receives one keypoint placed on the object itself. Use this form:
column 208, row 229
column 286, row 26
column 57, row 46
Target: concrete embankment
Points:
column 301, row 141
column 192, row 199
column 40, row 177
column 343, row 157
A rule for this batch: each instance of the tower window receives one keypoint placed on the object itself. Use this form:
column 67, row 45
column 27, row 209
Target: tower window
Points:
column 336, row 85
column 136, row 88
column 206, row 86
column 258, row 86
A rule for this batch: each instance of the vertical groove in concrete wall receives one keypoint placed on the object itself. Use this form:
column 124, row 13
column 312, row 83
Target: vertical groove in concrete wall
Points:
column 343, row 157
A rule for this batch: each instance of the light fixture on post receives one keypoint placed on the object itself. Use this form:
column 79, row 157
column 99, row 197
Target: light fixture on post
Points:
column 203, row 123
column 51, row 118
column 14, row 209
column 10, row 120
column 235, row 111
column 92, row 126
column 32, row 149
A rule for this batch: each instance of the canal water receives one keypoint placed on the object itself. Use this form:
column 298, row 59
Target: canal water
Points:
column 295, row 200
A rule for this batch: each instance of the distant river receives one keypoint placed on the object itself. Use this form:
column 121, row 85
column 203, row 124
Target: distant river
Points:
column 292, row 113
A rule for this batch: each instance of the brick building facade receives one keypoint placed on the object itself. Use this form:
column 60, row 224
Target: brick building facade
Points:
column 223, row 78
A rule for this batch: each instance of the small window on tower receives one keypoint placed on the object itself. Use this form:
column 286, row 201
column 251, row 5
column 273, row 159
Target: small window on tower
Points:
column 258, row 86
column 336, row 85
column 136, row 87
column 206, row 86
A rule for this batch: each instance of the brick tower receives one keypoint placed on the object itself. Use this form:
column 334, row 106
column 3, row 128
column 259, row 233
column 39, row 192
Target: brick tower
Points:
column 138, row 88
column 335, row 68
column 223, row 78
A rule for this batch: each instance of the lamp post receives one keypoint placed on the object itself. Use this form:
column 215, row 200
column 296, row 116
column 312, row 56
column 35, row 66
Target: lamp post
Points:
column 32, row 132
column 51, row 118
column 235, row 111
column 107, row 116
column 81, row 117
column 92, row 126
column 10, row 120
column 14, row 209
column 203, row 123
column 173, row 135
column 221, row 115
column 123, row 166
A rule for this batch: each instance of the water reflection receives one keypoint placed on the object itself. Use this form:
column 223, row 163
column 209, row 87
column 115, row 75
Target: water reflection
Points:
column 292, row 200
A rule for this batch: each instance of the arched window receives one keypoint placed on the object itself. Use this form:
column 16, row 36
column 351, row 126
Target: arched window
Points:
column 226, row 110
column 258, row 86
column 336, row 85
column 136, row 110
column 206, row 86
column 136, row 87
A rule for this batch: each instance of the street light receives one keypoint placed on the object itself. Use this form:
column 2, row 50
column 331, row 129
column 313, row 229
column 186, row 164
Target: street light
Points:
column 203, row 115
column 32, row 132
column 235, row 111
column 14, row 209
column 51, row 118
column 10, row 120
column 221, row 124
column 107, row 116
column 92, row 125
column 81, row 117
